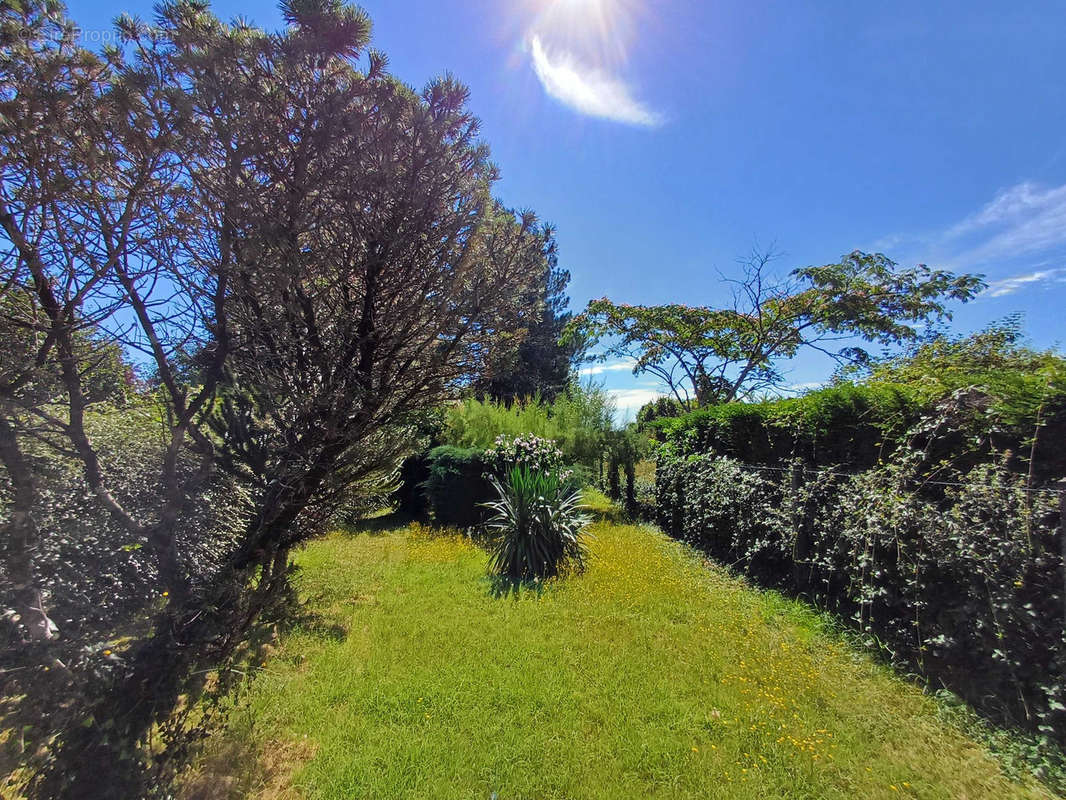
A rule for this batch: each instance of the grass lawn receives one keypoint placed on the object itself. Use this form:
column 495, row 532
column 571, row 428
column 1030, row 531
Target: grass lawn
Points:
column 651, row 675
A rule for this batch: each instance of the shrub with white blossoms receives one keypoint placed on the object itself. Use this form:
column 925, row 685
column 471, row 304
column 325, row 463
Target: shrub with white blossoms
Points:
column 535, row 453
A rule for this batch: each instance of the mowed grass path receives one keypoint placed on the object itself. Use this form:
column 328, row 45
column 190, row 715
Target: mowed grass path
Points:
column 651, row 675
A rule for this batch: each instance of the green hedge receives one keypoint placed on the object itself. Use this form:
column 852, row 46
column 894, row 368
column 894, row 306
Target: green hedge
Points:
column 456, row 486
column 961, row 584
column 859, row 425
column 842, row 424
column 410, row 497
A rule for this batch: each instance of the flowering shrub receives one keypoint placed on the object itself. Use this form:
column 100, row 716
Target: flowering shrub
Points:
column 532, row 452
column 960, row 582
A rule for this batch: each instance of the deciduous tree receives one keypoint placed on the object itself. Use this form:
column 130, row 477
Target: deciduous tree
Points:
column 714, row 355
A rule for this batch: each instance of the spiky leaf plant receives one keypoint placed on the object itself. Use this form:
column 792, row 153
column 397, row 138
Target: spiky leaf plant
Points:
column 537, row 525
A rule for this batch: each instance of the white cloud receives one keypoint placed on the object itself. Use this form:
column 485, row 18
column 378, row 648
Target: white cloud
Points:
column 588, row 90
column 1022, row 220
column 1020, row 234
column 614, row 366
column 629, row 401
column 1005, row 286
column 804, row 387
column 1018, row 202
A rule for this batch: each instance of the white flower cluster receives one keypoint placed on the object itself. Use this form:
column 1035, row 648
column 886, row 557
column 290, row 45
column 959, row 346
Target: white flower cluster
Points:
column 535, row 453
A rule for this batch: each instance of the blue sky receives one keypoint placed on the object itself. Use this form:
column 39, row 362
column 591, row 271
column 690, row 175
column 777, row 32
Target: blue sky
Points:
column 666, row 139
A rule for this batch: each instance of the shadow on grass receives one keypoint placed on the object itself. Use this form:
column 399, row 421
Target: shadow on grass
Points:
column 237, row 767
column 321, row 627
column 378, row 525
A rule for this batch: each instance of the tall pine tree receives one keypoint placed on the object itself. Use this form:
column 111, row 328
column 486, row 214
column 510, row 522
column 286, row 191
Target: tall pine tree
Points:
column 539, row 365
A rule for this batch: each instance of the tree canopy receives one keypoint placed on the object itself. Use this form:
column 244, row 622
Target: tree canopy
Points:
column 708, row 355
column 541, row 364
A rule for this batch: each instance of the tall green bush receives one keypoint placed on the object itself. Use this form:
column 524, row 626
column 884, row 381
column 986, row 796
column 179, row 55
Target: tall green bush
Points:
column 579, row 421
column 919, row 504
column 848, row 423
column 1021, row 382
column 960, row 583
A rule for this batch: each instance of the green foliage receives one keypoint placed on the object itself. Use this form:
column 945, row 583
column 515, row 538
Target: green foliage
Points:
column 625, row 448
column 965, row 401
column 935, row 536
column 1022, row 384
column 541, row 365
column 457, row 485
column 713, row 355
column 579, row 421
column 847, row 423
column 960, row 582
column 101, row 581
column 660, row 408
column 937, row 533
column 307, row 253
column 98, row 575
column 537, row 525
column 477, row 423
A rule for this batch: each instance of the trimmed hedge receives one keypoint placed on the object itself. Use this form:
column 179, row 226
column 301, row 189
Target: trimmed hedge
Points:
column 854, row 424
column 961, row 584
column 452, row 483
column 410, row 497
column 457, row 486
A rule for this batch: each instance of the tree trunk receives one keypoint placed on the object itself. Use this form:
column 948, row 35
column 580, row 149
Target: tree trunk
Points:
column 19, row 539
column 631, row 485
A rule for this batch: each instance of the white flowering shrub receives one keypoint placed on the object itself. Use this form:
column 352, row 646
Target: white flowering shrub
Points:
column 532, row 452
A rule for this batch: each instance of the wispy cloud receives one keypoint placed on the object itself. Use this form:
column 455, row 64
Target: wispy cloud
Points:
column 587, row 89
column 613, row 366
column 804, row 387
column 1023, row 220
column 1005, row 286
column 1018, row 239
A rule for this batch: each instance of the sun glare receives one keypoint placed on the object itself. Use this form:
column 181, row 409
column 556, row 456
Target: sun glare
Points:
column 579, row 50
column 599, row 31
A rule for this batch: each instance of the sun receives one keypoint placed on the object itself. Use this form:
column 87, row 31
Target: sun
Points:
column 584, row 4
column 599, row 30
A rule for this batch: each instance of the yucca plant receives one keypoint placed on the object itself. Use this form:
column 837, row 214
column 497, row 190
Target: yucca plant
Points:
column 536, row 524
